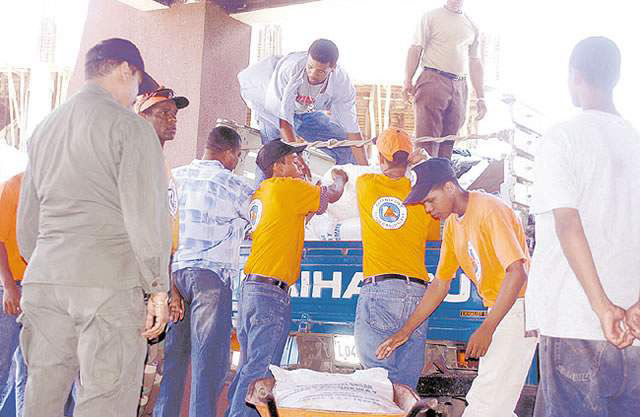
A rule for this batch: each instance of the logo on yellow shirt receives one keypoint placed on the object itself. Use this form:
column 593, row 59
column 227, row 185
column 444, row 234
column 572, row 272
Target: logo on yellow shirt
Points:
column 413, row 178
column 389, row 212
column 255, row 214
column 475, row 259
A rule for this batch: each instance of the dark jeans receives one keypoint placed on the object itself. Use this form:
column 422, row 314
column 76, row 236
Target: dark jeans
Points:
column 263, row 327
column 313, row 127
column 202, row 337
column 587, row 378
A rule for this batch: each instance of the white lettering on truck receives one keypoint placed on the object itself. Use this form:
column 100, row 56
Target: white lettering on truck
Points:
column 335, row 285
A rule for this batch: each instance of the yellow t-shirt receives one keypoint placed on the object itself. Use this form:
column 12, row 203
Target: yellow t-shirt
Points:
column 484, row 243
column 9, row 198
column 174, row 213
column 393, row 235
column 277, row 214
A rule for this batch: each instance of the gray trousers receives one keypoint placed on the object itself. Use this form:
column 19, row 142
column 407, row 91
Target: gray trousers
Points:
column 91, row 331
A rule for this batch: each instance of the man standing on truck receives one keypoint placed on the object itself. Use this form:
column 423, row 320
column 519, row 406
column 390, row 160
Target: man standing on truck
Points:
column 483, row 236
column 277, row 214
column 583, row 273
column 213, row 203
column 395, row 275
column 92, row 225
column 160, row 108
column 446, row 46
column 292, row 95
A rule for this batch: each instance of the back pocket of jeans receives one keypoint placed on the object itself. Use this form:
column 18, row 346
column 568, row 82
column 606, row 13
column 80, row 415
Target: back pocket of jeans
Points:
column 578, row 360
column 386, row 313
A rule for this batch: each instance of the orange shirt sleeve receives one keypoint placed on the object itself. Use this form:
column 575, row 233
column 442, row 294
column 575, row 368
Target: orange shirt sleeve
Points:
column 8, row 206
column 304, row 197
column 448, row 264
column 502, row 228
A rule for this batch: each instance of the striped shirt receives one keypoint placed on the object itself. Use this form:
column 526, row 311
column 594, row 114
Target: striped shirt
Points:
column 213, row 209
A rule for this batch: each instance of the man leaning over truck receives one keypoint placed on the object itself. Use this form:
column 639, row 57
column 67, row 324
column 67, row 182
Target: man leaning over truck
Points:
column 393, row 239
column 483, row 236
column 277, row 214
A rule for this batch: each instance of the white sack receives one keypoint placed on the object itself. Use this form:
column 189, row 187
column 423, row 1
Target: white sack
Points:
column 366, row 391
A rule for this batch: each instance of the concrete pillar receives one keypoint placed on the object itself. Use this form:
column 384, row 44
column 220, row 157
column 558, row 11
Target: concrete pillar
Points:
column 195, row 48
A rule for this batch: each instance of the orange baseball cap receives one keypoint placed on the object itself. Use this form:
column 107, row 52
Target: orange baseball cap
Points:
column 393, row 140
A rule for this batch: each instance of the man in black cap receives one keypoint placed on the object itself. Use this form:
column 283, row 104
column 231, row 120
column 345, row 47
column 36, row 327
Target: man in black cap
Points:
column 483, row 236
column 92, row 222
column 277, row 214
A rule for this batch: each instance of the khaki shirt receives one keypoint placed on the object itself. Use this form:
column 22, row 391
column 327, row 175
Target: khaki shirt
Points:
column 448, row 40
column 93, row 206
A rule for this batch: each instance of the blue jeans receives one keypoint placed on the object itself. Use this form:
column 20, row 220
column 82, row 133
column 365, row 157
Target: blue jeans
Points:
column 13, row 371
column 587, row 378
column 382, row 310
column 313, row 127
column 202, row 337
column 264, row 321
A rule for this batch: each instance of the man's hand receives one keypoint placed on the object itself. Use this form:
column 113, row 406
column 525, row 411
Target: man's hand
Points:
column 481, row 107
column 339, row 174
column 387, row 347
column 11, row 299
column 632, row 319
column 417, row 156
column 157, row 315
column 408, row 90
column 176, row 306
column 479, row 342
column 612, row 321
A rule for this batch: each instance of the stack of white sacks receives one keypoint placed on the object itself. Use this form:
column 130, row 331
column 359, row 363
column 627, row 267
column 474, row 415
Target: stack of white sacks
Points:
column 342, row 220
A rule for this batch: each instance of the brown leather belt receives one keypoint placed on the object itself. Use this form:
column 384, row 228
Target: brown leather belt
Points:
column 447, row 74
column 268, row 280
column 384, row 277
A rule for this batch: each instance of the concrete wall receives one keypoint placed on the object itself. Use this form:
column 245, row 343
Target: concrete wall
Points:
column 196, row 49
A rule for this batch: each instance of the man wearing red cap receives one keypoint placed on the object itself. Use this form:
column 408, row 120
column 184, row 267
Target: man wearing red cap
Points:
column 395, row 276
column 92, row 225
column 160, row 108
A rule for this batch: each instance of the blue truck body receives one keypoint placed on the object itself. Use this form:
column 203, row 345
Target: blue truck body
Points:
column 324, row 298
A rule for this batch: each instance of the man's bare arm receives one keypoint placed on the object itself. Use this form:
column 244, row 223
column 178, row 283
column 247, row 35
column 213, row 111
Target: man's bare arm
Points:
column 514, row 279
column 359, row 152
column 413, row 60
column 476, row 72
column 576, row 249
column 287, row 133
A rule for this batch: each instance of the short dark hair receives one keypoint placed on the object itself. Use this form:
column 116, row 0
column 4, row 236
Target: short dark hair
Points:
column 222, row 139
column 100, row 68
column 324, row 51
column 597, row 59
column 400, row 160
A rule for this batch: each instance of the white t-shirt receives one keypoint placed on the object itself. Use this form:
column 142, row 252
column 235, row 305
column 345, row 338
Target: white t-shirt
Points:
column 307, row 96
column 589, row 163
column 448, row 40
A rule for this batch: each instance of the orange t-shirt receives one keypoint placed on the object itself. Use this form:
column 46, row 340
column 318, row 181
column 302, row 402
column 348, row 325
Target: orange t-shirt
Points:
column 393, row 235
column 277, row 213
column 484, row 243
column 9, row 198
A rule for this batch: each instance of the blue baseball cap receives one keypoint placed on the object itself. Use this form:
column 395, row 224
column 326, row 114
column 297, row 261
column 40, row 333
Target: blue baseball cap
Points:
column 426, row 175
column 118, row 49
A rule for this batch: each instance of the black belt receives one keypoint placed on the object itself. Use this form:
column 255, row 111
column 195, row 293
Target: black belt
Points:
column 384, row 277
column 268, row 280
column 447, row 74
